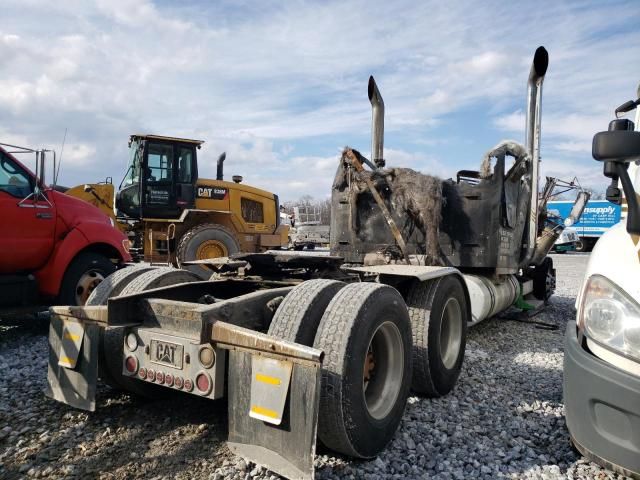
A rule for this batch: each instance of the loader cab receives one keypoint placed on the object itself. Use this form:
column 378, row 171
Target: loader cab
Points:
column 161, row 177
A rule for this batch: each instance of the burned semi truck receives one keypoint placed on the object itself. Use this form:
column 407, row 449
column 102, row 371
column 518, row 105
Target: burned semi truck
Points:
column 310, row 346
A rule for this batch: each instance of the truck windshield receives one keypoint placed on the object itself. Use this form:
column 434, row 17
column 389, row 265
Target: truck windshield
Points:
column 133, row 171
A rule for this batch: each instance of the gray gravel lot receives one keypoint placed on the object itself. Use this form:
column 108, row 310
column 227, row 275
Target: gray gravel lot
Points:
column 504, row 418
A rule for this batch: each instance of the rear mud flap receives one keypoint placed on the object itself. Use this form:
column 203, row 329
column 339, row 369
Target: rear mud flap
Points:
column 289, row 447
column 73, row 363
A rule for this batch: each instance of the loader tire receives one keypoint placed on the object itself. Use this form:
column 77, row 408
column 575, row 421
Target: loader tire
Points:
column 366, row 373
column 115, row 283
column 113, row 338
column 298, row 316
column 111, row 287
column 439, row 315
column 84, row 274
column 208, row 240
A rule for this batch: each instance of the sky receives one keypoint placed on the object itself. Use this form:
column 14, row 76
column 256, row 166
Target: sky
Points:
column 282, row 86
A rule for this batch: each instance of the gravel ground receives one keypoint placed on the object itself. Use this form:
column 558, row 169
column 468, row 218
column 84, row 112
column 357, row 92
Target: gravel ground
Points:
column 504, row 418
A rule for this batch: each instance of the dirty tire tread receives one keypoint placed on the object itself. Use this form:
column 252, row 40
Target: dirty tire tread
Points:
column 114, row 283
column 427, row 379
column 298, row 316
column 421, row 295
column 333, row 337
column 188, row 237
column 158, row 277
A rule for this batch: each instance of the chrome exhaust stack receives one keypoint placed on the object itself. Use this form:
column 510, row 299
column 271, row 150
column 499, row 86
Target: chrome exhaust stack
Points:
column 377, row 124
column 532, row 138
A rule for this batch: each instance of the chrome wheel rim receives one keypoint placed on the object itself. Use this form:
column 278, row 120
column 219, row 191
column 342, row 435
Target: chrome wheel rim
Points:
column 87, row 284
column 383, row 369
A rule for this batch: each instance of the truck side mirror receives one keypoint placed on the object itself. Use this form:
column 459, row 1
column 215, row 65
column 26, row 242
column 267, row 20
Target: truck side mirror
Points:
column 617, row 148
column 620, row 146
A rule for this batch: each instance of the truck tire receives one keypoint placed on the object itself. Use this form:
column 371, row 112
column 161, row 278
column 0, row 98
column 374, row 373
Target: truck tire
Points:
column 83, row 275
column 366, row 373
column 111, row 287
column 298, row 316
column 584, row 245
column 208, row 240
column 115, row 283
column 544, row 280
column 439, row 315
column 113, row 338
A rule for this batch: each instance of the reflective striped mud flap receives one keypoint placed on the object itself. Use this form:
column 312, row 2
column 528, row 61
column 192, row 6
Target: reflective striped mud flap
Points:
column 73, row 362
column 273, row 411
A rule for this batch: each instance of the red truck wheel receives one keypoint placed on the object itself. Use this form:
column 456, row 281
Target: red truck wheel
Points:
column 83, row 275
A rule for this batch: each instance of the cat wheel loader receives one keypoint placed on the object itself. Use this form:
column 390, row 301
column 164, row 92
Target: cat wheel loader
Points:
column 173, row 216
column 307, row 346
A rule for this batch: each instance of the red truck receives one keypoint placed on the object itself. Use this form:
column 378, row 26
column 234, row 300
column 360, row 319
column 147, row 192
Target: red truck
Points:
column 54, row 249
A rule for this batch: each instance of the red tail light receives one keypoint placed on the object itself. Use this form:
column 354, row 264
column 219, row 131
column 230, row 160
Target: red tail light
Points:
column 203, row 383
column 131, row 364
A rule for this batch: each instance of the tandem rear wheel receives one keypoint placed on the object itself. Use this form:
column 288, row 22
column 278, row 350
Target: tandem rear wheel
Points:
column 364, row 330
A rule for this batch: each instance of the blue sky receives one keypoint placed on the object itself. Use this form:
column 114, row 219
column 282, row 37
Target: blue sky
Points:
column 282, row 86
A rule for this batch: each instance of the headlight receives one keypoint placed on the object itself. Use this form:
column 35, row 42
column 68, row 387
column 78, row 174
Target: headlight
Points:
column 609, row 316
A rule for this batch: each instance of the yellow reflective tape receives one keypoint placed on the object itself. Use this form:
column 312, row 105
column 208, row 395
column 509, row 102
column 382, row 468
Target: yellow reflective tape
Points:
column 267, row 379
column 66, row 360
column 264, row 411
column 71, row 336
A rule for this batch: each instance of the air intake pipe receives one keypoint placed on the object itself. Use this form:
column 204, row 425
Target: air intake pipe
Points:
column 532, row 139
column 377, row 124
column 220, row 166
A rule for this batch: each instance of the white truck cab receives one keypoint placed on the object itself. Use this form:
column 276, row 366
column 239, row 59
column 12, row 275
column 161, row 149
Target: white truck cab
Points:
column 602, row 347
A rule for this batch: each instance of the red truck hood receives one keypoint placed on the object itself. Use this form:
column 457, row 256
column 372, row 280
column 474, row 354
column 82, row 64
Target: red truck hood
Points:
column 72, row 210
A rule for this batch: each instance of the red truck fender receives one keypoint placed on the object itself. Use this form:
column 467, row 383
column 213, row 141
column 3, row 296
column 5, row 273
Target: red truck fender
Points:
column 85, row 237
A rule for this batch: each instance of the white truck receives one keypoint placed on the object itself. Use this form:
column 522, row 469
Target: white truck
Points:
column 602, row 347
column 308, row 230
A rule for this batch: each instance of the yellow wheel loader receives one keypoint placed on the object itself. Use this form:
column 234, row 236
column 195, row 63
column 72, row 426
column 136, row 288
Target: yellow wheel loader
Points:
column 172, row 216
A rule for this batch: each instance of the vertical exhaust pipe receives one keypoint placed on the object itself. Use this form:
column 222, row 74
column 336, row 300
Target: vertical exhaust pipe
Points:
column 220, row 166
column 377, row 124
column 532, row 138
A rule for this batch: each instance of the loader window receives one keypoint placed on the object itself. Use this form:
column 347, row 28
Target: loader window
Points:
column 13, row 179
column 159, row 163
column 185, row 159
column 132, row 176
column 251, row 211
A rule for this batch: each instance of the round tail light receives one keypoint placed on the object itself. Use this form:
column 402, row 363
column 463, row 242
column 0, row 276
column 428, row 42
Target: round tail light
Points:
column 151, row 375
column 203, row 383
column 207, row 356
column 131, row 364
column 159, row 377
column 168, row 380
column 142, row 373
column 188, row 385
column 178, row 382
